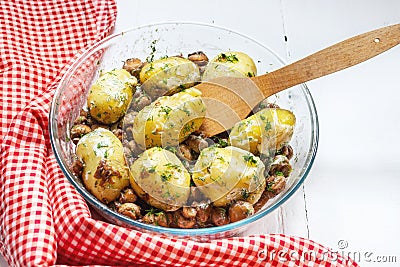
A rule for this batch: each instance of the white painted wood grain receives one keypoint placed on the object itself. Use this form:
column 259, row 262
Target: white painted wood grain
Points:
column 352, row 191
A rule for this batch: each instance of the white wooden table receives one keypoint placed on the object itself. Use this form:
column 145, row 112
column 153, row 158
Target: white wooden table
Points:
column 350, row 200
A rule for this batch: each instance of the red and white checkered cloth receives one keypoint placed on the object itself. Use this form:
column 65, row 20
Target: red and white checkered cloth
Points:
column 44, row 221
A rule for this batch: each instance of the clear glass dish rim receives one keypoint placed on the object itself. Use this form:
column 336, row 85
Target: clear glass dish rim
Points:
column 163, row 230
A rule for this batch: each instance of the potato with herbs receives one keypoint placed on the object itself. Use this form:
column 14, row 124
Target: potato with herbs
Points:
column 110, row 96
column 268, row 129
column 160, row 179
column 228, row 174
column 171, row 74
column 230, row 64
column 169, row 120
column 105, row 173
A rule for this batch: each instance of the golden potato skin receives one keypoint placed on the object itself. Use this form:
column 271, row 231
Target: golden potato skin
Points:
column 110, row 96
column 268, row 129
column 160, row 179
column 99, row 147
column 232, row 64
column 168, row 74
column 169, row 120
column 228, row 174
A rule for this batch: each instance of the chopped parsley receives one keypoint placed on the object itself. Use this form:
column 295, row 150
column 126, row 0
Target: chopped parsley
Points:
column 250, row 159
column 245, row 194
column 152, row 169
column 166, row 109
column 150, row 58
column 227, row 58
column 221, row 159
column 165, row 177
column 188, row 128
column 220, row 142
column 268, row 125
column 153, row 211
column 171, row 165
column 165, row 67
column 150, row 68
column 269, row 187
column 172, row 149
column 184, row 109
column 202, row 178
column 100, row 145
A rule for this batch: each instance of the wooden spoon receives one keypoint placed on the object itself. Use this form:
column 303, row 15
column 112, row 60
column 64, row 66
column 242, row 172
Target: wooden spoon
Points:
column 230, row 100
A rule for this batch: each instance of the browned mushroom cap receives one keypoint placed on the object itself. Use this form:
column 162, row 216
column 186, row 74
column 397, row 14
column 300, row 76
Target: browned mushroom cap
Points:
column 199, row 58
column 189, row 212
column 280, row 166
column 140, row 102
column 286, row 150
column 178, row 220
column 185, row 152
column 240, row 210
column 196, row 143
column 77, row 167
column 79, row 130
column 131, row 210
column 275, row 184
column 118, row 133
column 203, row 211
column 133, row 66
column 128, row 196
column 219, row 216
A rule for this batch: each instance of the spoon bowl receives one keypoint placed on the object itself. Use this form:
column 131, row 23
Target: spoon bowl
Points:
column 230, row 100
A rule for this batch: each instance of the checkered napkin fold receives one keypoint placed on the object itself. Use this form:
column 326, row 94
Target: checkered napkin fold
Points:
column 44, row 221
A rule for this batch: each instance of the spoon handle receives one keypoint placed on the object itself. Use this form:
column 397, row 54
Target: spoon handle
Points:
column 337, row 57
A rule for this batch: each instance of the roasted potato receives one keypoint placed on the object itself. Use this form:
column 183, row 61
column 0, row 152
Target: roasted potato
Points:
column 268, row 129
column 229, row 174
column 160, row 179
column 110, row 96
column 232, row 64
column 171, row 74
column 105, row 173
column 169, row 120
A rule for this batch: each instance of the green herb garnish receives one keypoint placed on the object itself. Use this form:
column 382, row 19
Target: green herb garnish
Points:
column 221, row 142
column 227, row 58
column 100, row 145
column 250, row 159
column 245, row 194
column 152, row 169
column 166, row 109
column 165, row 177
column 268, row 126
